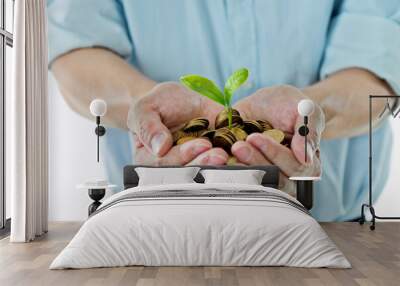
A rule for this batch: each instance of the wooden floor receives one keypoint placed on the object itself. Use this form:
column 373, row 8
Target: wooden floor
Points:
column 375, row 257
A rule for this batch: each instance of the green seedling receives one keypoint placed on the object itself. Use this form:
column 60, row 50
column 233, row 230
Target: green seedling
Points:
column 208, row 88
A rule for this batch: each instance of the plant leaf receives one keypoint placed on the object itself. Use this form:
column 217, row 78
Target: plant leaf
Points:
column 234, row 82
column 204, row 86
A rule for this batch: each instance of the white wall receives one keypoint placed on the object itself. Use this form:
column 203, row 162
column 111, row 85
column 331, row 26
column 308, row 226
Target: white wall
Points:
column 72, row 160
column 72, row 156
column 388, row 203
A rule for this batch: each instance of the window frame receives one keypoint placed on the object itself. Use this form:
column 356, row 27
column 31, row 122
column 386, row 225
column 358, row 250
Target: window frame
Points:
column 6, row 39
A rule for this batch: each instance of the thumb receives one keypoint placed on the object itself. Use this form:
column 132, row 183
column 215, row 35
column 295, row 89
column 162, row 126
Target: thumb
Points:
column 149, row 128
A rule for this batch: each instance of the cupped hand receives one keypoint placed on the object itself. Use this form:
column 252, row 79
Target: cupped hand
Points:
column 278, row 105
column 167, row 107
column 194, row 152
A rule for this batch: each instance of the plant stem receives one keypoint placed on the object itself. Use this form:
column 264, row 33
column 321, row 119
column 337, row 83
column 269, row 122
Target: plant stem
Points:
column 229, row 117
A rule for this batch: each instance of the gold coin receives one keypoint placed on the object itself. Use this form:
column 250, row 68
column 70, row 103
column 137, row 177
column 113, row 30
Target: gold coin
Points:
column 205, row 138
column 275, row 134
column 222, row 119
column 232, row 161
column 207, row 133
column 196, row 124
column 178, row 135
column 181, row 134
column 239, row 133
column 265, row 125
column 224, row 139
column 252, row 126
column 185, row 139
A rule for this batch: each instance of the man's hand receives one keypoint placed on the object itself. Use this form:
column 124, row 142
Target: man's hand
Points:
column 278, row 105
column 194, row 152
column 167, row 107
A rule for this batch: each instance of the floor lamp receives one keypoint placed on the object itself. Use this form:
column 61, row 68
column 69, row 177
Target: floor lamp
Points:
column 369, row 205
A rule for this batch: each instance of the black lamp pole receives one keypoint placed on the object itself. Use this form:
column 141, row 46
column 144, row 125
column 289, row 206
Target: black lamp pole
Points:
column 370, row 203
column 98, row 137
column 100, row 131
column 305, row 108
column 305, row 137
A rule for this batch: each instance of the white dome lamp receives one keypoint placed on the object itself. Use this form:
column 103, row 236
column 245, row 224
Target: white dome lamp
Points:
column 98, row 108
column 305, row 109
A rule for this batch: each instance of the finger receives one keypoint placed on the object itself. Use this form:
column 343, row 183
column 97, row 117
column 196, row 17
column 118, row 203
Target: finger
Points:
column 178, row 155
column 248, row 155
column 276, row 153
column 146, row 123
column 215, row 156
column 136, row 141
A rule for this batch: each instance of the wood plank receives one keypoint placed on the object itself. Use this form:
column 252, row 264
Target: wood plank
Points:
column 375, row 257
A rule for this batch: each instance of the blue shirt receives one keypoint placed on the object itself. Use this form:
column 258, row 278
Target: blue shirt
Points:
column 281, row 42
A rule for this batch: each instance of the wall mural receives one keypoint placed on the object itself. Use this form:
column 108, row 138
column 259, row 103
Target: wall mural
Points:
column 207, row 84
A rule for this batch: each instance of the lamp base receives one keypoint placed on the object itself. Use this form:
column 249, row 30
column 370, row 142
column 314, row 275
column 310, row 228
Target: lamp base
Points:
column 304, row 193
column 96, row 195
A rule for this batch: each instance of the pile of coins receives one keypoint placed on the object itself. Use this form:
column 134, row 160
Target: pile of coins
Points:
column 224, row 137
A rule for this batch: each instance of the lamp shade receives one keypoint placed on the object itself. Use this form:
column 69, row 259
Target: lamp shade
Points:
column 305, row 107
column 98, row 107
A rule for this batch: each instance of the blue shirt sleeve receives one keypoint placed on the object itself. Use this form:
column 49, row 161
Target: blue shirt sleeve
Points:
column 365, row 34
column 77, row 24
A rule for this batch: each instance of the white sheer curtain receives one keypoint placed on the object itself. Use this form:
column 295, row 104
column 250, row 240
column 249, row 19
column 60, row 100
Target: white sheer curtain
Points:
column 28, row 173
